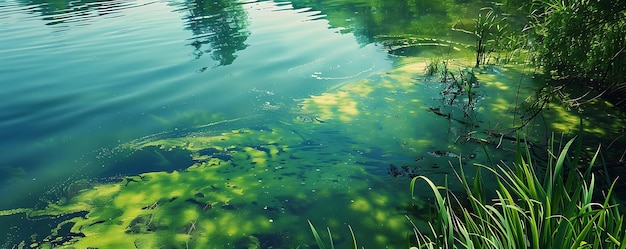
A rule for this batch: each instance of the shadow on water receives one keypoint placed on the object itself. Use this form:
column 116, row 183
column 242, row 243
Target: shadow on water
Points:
column 38, row 228
column 148, row 159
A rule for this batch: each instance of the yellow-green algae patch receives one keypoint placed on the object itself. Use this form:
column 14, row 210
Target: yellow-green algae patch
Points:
column 403, row 111
column 247, row 185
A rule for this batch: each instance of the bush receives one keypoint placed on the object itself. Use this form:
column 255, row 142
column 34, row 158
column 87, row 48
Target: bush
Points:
column 582, row 41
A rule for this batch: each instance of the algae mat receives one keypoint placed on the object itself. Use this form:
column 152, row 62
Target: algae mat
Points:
column 247, row 188
column 342, row 157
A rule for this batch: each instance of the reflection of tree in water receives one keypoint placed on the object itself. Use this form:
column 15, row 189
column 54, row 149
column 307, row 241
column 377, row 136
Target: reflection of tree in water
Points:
column 80, row 11
column 368, row 19
column 218, row 27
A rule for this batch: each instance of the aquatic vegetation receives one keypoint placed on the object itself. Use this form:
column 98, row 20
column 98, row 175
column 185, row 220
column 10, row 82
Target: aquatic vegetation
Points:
column 320, row 243
column 578, row 43
column 252, row 185
column 488, row 30
column 336, row 158
column 558, row 210
column 436, row 66
column 247, row 186
column 13, row 211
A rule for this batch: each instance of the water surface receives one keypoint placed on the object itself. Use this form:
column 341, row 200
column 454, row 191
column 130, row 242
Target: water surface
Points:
column 78, row 82
column 232, row 123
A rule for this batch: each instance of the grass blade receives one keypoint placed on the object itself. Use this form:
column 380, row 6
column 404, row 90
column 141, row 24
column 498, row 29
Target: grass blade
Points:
column 320, row 244
column 354, row 246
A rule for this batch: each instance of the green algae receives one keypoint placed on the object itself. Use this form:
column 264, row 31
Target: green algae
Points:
column 14, row 211
column 256, row 183
column 267, row 180
column 271, row 182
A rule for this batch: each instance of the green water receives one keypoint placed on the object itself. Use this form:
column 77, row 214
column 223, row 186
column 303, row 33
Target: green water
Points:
column 229, row 124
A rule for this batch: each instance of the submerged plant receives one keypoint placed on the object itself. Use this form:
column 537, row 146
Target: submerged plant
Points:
column 459, row 90
column 558, row 210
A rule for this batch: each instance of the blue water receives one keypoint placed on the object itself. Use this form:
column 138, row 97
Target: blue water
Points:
column 77, row 82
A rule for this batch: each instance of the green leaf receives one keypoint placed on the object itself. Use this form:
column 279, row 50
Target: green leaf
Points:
column 318, row 240
column 354, row 246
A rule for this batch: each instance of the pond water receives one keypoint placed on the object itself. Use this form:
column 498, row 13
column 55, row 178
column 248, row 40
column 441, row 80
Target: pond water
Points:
column 229, row 124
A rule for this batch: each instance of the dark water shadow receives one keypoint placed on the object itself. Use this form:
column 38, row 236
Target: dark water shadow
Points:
column 148, row 159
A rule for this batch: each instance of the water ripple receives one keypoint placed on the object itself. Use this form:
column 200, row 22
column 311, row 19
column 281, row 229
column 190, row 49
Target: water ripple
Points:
column 82, row 75
column 84, row 12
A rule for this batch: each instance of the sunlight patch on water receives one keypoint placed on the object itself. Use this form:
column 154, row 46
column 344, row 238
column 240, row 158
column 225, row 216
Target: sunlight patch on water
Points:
column 327, row 106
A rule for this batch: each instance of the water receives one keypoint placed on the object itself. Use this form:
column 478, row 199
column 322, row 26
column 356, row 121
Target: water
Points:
column 79, row 84
column 230, row 123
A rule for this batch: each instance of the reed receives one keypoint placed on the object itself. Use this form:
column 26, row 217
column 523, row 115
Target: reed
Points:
column 556, row 210
column 489, row 29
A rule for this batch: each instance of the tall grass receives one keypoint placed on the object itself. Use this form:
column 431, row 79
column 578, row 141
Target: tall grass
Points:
column 556, row 210
column 320, row 243
column 489, row 29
